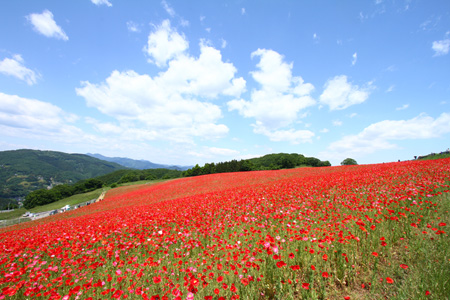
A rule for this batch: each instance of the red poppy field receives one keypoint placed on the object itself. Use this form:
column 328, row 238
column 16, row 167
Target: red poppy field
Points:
column 352, row 232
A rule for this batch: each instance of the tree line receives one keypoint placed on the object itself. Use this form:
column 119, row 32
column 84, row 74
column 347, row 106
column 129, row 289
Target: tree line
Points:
column 266, row 162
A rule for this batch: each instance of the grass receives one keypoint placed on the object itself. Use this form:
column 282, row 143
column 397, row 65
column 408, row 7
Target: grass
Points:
column 73, row 200
column 435, row 156
column 419, row 263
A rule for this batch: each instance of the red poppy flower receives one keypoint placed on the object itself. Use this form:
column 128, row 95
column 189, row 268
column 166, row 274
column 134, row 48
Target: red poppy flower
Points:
column 305, row 285
column 325, row 275
column 195, row 281
column 157, row 279
column 244, row 281
column 389, row 280
column 281, row 264
column 404, row 266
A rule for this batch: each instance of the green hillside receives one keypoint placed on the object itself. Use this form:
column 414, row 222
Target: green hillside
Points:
column 440, row 155
column 23, row 171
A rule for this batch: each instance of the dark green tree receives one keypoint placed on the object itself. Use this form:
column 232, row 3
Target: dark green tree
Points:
column 325, row 164
column 312, row 161
column 348, row 161
column 39, row 197
column 287, row 162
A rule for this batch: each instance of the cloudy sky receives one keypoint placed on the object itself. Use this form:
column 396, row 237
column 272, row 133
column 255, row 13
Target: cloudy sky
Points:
column 186, row 82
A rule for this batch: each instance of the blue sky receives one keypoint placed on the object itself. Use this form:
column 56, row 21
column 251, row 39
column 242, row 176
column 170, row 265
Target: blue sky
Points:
column 186, row 82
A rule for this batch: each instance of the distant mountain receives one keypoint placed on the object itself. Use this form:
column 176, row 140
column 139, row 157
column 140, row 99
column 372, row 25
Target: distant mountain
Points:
column 23, row 171
column 138, row 164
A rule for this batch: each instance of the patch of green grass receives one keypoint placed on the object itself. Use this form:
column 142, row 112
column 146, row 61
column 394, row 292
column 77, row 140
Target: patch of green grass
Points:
column 73, row 200
column 13, row 214
column 418, row 264
column 429, row 257
column 436, row 156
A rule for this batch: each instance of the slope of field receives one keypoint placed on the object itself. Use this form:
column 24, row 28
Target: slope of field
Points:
column 308, row 233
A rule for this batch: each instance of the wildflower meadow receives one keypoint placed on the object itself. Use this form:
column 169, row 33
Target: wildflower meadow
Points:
column 349, row 232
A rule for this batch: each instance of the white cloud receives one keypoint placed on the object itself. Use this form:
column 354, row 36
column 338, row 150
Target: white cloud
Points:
column 164, row 44
column 290, row 135
column 222, row 151
column 378, row 135
column 139, row 101
column 340, row 94
column 168, row 8
column 46, row 25
column 441, row 47
column 223, row 43
column 175, row 105
column 15, row 67
column 212, row 152
column 101, row 2
column 31, row 118
column 206, row 76
column 390, row 89
column 337, row 123
column 279, row 100
column 362, row 17
column 184, row 23
column 243, row 11
column 325, row 130
column 316, row 38
column 133, row 27
column 104, row 127
column 404, row 106
column 355, row 58
column 391, row 68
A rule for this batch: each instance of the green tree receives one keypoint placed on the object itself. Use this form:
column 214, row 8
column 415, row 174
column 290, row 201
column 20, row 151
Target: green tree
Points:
column 348, row 161
column 312, row 161
column 325, row 164
column 287, row 162
column 39, row 197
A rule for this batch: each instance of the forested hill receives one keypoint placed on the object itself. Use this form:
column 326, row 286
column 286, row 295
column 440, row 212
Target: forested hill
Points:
column 266, row 162
column 23, row 171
